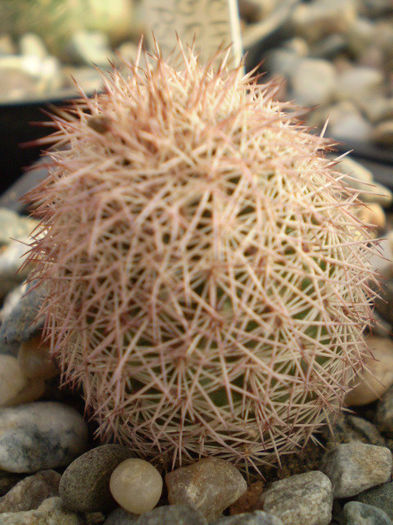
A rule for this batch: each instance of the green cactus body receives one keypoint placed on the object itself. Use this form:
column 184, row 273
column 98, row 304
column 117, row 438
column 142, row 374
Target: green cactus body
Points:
column 207, row 278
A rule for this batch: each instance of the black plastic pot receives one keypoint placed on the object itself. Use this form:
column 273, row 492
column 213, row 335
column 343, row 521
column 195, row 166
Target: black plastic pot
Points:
column 18, row 125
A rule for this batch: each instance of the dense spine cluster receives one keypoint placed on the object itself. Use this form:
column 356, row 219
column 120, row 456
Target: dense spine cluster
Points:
column 207, row 277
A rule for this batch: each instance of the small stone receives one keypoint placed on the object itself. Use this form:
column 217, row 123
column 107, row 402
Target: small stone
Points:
column 12, row 381
column 20, row 322
column 171, row 515
column 31, row 491
column 32, row 391
column 14, row 226
column 347, row 428
column 305, row 80
column 88, row 47
column 378, row 108
column 347, row 123
column 301, row 499
column 355, row 467
column 383, row 133
column 356, row 513
column 40, row 435
column 35, row 360
column 360, row 35
column 358, row 83
column 372, row 383
column 250, row 500
column 320, row 18
column 32, row 44
column 380, row 497
column 257, row 517
column 50, row 512
column 210, row 485
column 120, row 516
column 282, row 61
column 136, row 485
column 84, row 485
column 384, row 415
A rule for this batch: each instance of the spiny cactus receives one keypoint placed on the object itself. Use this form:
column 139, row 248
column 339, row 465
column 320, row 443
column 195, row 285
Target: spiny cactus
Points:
column 207, row 277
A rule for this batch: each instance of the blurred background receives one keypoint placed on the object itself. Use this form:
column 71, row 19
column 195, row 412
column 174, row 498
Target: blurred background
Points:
column 333, row 56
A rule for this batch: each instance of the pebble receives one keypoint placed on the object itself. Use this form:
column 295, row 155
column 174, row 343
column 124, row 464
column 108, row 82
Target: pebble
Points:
column 136, row 485
column 40, row 435
column 358, row 83
column 171, row 515
column 250, row 500
column 88, row 47
column 257, row 517
column 303, row 499
column 347, row 123
column 384, row 415
column 355, row 467
column 31, row 491
column 356, row 513
column 380, row 497
column 19, row 321
column 210, row 485
column 12, row 381
column 305, row 80
column 35, row 360
column 32, row 44
column 50, row 512
column 383, row 133
column 84, row 485
column 347, row 427
column 317, row 19
column 372, row 384
column 378, row 108
column 120, row 516
column 14, row 226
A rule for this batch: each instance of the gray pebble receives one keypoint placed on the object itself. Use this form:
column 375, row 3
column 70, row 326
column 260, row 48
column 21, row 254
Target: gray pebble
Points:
column 258, row 517
column 84, row 485
column 347, row 428
column 380, row 497
column 384, row 415
column 50, row 512
column 303, row 499
column 31, row 491
column 354, row 467
column 120, row 516
column 209, row 485
column 20, row 321
column 40, row 435
column 356, row 513
column 171, row 515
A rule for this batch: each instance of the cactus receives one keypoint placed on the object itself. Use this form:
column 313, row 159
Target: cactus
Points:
column 207, row 276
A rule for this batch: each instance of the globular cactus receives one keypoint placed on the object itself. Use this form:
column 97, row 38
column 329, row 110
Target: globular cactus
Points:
column 207, row 279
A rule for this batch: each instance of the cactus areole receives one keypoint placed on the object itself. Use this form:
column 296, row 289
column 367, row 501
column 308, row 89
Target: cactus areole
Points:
column 207, row 278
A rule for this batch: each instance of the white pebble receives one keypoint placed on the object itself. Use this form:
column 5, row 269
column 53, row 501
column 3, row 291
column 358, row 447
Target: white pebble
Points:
column 136, row 485
column 12, row 381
